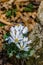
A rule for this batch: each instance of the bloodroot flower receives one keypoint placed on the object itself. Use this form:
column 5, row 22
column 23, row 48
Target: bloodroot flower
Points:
column 18, row 41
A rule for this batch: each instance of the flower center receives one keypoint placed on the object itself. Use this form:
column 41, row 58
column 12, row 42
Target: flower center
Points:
column 18, row 24
column 16, row 40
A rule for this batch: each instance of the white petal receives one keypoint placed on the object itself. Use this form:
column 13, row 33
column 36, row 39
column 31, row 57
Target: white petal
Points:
column 25, row 44
column 21, row 44
column 29, row 42
column 12, row 32
column 12, row 29
column 21, row 27
column 17, row 34
column 7, row 39
column 25, row 39
column 16, row 28
column 20, row 37
column 26, row 48
column 10, row 40
column 18, row 45
column 25, row 30
column 12, row 35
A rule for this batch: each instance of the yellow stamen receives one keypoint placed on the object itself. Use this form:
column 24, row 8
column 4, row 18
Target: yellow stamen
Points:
column 18, row 24
column 16, row 40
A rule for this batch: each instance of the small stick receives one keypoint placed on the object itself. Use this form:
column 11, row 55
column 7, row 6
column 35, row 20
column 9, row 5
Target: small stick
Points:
column 22, row 0
column 4, row 20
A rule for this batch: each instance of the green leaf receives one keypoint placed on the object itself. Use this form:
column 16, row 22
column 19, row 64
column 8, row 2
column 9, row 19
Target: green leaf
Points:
column 1, row 24
column 10, row 53
column 29, row 8
column 24, row 54
column 18, row 56
column 11, row 49
column 14, row 12
column 9, row 13
column 6, row 35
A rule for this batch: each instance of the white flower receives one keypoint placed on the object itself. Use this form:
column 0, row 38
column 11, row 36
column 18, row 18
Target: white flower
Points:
column 16, row 36
column 24, row 46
